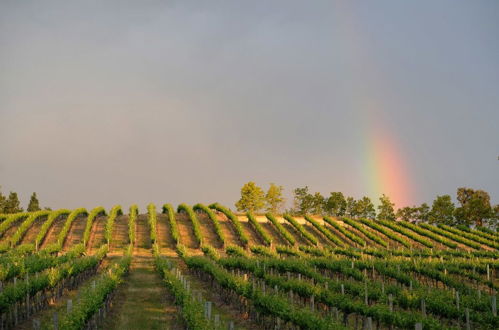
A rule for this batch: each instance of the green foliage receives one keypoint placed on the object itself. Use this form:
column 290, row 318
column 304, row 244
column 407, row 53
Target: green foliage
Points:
column 19, row 234
column 475, row 207
column 311, row 238
column 90, row 220
column 324, row 231
column 42, row 233
column 2, row 202
column 12, row 204
column 274, row 199
column 235, row 221
column 61, row 237
column 234, row 250
column 213, row 218
column 152, row 219
column 428, row 233
column 196, row 226
column 210, row 252
column 259, row 229
column 263, row 251
column 364, row 208
column 451, row 236
column 344, row 231
column 285, row 234
column 372, row 236
column 442, row 211
column 401, row 230
column 386, row 232
column 303, row 201
column 113, row 214
column 18, row 264
column 34, row 204
column 385, row 209
column 471, row 236
column 252, row 198
column 132, row 223
column 191, row 310
column 336, row 204
column 407, row 213
column 49, row 278
column 167, row 208
column 351, row 207
column 10, row 219
column 266, row 304
column 91, row 299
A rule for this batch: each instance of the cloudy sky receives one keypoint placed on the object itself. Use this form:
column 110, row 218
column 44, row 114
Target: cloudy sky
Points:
column 105, row 102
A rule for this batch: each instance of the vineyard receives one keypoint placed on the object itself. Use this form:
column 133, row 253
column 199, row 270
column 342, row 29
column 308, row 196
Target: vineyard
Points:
column 205, row 267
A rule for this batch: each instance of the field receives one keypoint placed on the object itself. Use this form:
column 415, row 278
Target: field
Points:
column 204, row 267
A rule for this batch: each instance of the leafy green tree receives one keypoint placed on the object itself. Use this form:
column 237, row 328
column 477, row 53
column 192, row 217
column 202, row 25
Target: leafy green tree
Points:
column 386, row 209
column 13, row 205
column 364, row 208
column 408, row 213
column 442, row 211
column 423, row 212
column 3, row 200
column 34, row 204
column 273, row 198
column 303, row 201
column 336, row 204
column 318, row 202
column 350, row 209
column 474, row 207
column 252, row 198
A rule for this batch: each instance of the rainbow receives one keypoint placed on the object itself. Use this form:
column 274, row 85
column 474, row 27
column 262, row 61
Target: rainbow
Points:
column 385, row 171
column 383, row 168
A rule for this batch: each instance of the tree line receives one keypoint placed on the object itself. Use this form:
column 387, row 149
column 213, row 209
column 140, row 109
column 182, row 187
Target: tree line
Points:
column 11, row 204
column 474, row 207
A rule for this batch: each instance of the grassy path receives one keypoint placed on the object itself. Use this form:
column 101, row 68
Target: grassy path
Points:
column 142, row 301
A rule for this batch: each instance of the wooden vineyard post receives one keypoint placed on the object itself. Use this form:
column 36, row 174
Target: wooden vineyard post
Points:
column 418, row 326
column 342, row 289
column 36, row 324
column 231, row 325
column 390, row 302
column 467, row 315
column 423, row 307
column 56, row 321
column 27, row 304
column 69, row 306
column 457, row 300
column 366, row 300
column 207, row 310
column 217, row 320
column 494, row 306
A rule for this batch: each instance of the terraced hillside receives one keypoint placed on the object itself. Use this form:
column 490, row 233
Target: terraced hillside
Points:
column 203, row 267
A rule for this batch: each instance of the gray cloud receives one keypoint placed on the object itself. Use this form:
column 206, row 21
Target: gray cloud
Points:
column 122, row 102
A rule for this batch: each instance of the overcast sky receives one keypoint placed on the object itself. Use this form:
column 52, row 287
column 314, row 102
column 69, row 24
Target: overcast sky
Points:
column 106, row 102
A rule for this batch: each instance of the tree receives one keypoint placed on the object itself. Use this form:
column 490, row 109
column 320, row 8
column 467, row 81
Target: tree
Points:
column 385, row 208
column 13, row 205
column 408, row 213
column 364, row 208
column 3, row 200
column 336, row 204
column 303, row 201
column 34, row 204
column 252, row 198
column 442, row 211
column 274, row 199
column 423, row 212
column 318, row 202
column 474, row 207
column 350, row 208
